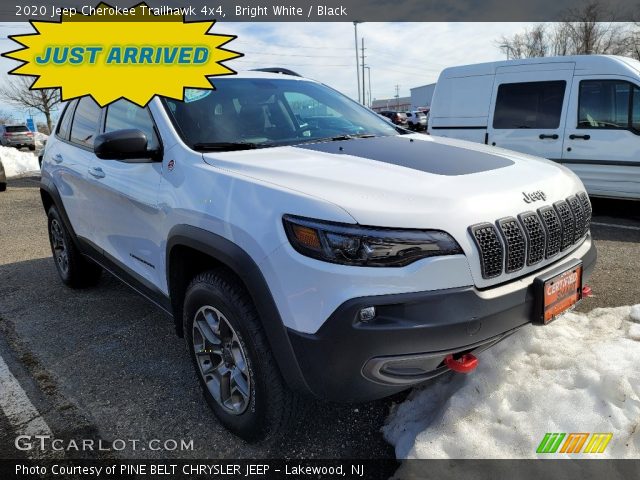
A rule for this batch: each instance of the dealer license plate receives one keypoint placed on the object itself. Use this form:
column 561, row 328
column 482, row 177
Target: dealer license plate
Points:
column 561, row 292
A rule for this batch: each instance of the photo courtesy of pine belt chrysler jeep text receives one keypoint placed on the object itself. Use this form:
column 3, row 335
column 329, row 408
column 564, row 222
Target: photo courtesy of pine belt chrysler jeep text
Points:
column 304, row 246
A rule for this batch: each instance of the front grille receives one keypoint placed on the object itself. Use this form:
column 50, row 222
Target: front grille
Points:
column 532, row 237
column 567, row 221
column 514, row 242
column 586, row 206
column 578, row 214
column 490, row 247
column 553, row 230
column 536, row 238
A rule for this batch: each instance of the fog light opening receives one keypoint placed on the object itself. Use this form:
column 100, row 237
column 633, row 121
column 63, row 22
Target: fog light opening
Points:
column 367, row 314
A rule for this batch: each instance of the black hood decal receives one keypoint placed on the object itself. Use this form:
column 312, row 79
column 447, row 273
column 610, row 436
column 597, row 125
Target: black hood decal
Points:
column 430, row 157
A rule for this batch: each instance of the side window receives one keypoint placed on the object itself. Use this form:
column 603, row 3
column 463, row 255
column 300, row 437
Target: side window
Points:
column 84, row 127
column 635, row 112
column 604, row 104
column 65, row 122
column 124, row 114
column 529, row 105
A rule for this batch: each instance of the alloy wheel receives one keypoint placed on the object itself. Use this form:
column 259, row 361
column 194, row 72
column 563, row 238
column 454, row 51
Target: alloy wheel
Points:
column 221, row 360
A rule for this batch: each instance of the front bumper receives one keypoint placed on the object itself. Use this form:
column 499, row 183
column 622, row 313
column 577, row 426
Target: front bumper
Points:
column 351, row 361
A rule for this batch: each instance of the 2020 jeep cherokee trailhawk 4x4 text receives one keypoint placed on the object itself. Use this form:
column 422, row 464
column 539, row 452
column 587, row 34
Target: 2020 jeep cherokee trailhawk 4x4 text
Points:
column 306, row 247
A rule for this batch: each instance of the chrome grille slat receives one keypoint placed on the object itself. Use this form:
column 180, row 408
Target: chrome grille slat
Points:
column 586, row 205
column 578, row 214
column 514, row 241
column 536, row 237
column 568, row 223
column 511, row 243
column 553, row 230
column 490, row 248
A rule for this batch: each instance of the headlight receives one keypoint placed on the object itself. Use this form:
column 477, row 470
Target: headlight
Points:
column 365, row 246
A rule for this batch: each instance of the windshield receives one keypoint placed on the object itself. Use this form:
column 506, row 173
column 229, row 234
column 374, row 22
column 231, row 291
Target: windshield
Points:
column 269, row 112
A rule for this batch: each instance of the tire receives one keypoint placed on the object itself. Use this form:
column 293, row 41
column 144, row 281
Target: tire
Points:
column 74, row 270
column 3, row 187
column 240, row 379
column 32, row 147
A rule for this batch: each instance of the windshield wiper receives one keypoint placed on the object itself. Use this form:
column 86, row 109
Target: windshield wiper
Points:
column 339, row 138
column 224, row 146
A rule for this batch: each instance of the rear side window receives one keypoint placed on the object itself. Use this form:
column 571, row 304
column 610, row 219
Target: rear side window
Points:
column 84, row 127
column 65, row 122
column 124, row 114
column 608, row 104
column 529, row 105
column 16, row 128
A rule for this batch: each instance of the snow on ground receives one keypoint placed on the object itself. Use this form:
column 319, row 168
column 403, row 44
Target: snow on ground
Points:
column 580, row 373
column 40, row 139
column 17, row 162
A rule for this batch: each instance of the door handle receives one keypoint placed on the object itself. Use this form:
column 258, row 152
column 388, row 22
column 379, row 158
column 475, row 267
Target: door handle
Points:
column 58, row 158
column 551, row 136
column 96, row 172
column 583, row 137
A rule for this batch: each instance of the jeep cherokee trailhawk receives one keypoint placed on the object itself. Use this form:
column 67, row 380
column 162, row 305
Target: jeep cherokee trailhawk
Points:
column 306, row 247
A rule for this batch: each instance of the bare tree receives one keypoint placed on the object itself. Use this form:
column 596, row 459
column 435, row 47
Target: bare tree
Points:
column 6, row 118
column 581, row 33
column 17, row 91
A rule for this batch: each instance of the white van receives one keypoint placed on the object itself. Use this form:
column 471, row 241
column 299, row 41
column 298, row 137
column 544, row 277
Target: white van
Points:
column 582, row 111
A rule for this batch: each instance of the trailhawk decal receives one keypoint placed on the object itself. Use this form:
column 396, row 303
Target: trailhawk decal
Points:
column 429, row 157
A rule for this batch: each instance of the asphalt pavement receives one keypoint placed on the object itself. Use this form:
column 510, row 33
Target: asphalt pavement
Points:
column 106, row 365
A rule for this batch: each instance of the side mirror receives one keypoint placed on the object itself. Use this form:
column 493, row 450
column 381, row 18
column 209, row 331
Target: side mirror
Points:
column 125, row 145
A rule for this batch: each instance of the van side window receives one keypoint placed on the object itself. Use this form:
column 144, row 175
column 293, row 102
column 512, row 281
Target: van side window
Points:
column 65, row 122
column 604, row 104
column 84, row 127
column 529, row 105
column 124, row 114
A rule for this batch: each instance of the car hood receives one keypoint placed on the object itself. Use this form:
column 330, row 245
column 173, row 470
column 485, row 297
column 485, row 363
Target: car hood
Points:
column 408, row 181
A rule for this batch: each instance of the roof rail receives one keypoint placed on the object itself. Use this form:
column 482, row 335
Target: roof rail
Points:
column 283, row 71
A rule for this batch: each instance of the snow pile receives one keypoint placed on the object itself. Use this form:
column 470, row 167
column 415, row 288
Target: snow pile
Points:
column 40, row 139
column 16, row 162
column 578, row 374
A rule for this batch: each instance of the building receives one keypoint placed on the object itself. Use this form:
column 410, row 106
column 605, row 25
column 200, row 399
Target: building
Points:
column 421, row 97
column 401, row 104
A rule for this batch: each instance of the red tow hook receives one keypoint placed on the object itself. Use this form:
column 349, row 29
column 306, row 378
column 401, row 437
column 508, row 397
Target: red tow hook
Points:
column 465, row 364
column 586, row 291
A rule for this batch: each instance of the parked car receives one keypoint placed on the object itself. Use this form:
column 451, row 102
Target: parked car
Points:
column 581, row 111
column 397, row 118
column 18, row 136
column 3, row 178
column 303, row 260
column 416, row 120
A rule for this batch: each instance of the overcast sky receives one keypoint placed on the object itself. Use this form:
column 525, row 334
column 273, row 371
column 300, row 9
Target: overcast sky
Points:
column 405, row 54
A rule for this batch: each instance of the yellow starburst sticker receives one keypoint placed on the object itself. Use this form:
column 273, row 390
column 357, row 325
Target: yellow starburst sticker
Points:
column 133, row 55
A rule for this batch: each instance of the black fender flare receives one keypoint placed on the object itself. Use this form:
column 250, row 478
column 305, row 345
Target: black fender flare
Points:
column 47, row 186
column 240, row 262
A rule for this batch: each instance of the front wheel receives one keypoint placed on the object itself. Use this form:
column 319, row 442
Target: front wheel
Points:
column 236, row 369
column 74, row 270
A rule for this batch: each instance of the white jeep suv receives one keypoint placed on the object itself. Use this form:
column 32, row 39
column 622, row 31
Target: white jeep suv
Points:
column 304, row 246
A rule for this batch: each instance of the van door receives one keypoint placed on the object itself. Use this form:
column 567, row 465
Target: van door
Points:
column 602, row 138
column 530, row 107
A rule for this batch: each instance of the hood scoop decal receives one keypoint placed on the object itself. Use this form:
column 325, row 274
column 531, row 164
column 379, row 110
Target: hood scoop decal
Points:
column 425, row 156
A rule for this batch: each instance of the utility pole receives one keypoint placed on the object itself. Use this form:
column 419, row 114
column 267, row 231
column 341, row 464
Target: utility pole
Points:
column 355, row 28
column 370, row 102
column 364, row 91
column 397, row 97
